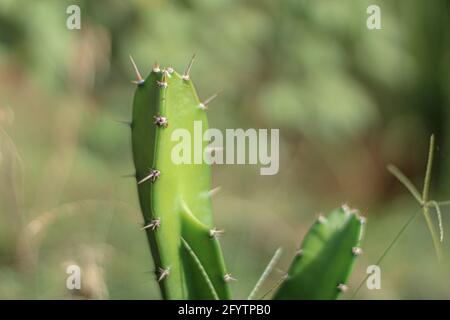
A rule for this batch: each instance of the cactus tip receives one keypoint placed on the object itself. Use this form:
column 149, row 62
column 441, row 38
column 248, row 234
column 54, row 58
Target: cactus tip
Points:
column 321, row 218
column 362, row 220
column 156, row 68
column 345, row 207
column 348, row 210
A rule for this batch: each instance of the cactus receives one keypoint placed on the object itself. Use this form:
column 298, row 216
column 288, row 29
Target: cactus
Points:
column 175, row 201
column 322, row 265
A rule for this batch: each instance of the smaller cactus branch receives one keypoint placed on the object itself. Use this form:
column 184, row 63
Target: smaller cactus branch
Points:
column 328, row 253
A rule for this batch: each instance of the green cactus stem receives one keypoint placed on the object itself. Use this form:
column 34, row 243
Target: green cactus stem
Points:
column 174, row 197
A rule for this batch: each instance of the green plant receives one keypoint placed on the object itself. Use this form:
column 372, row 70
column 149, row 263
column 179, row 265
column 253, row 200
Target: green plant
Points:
column 424, row 199
column 425, row 205
column 323, row 264
column 175, row 201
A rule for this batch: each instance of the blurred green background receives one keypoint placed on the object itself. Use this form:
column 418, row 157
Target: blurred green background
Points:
column 347, row 101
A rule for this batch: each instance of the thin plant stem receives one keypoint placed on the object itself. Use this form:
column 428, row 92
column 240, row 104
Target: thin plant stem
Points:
column 439, row 216
column 425, row 194
column 436, row 243
column 280, row 281
column 427, row 180
column 405, row 181
column 266, row 273
column 425, row 204
column 443, row 203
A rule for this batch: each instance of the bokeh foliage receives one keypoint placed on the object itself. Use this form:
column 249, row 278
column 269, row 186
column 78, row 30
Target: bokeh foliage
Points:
column 347, row 101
